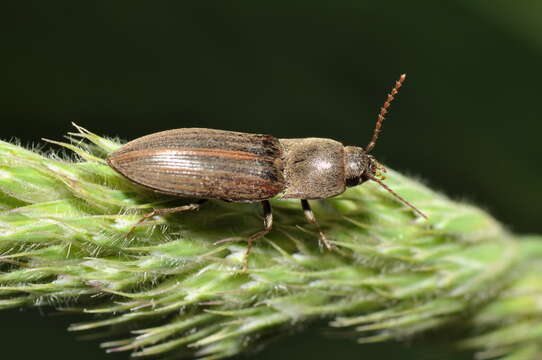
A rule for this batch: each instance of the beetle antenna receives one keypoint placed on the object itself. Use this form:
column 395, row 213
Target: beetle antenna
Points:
column 404, row 201
column 384, row 111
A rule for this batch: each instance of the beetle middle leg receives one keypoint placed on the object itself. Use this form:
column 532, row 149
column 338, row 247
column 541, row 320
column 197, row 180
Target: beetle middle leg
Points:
column 167, row 211
column 267, row 224
column 309, row 215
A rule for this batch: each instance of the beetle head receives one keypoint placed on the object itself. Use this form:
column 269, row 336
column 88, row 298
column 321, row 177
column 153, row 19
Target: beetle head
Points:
column 359, row 166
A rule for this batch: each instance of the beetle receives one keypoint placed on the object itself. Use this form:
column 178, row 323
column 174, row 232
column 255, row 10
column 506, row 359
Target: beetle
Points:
column 206, row 164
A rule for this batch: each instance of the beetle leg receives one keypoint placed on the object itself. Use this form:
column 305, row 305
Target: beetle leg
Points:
column 166, row 211
column 267, row 224
column 309, row 215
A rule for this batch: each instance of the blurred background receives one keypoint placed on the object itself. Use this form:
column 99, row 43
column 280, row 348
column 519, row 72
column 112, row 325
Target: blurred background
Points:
column 467, row 121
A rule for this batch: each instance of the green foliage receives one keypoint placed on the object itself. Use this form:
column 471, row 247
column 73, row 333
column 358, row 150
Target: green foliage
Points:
column 179, row 287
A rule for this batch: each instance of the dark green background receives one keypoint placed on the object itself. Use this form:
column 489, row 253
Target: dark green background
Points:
column 468, row 120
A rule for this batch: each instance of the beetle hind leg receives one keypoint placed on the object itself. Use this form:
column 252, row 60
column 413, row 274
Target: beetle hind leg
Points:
column 267, row 224
column 309, row 215
column 166, row 211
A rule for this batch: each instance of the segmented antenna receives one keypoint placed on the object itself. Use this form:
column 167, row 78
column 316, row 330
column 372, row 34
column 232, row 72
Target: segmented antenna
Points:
column 416, row 210
column 384, row 111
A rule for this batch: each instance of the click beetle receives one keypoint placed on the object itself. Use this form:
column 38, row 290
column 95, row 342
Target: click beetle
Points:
column 206, row 164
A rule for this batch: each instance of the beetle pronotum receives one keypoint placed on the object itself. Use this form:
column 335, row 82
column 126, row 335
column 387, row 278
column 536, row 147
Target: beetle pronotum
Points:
column 215, row 164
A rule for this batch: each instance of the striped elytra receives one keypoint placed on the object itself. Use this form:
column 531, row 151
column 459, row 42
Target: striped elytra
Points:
column 204, row 163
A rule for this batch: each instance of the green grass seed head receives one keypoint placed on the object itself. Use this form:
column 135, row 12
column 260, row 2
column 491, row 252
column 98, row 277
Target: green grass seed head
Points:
column 64, row 243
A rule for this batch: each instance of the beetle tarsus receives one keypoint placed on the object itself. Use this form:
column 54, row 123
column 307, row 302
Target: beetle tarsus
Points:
column 309, row 215
column 267, row 223
column 189, row 207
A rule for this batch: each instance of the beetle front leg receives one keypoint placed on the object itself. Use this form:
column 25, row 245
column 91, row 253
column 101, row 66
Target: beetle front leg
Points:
column 309, row 215
column 267, row 224
column 167, row 211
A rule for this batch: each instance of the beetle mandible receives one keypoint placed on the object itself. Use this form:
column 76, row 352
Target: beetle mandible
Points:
column 239, row 167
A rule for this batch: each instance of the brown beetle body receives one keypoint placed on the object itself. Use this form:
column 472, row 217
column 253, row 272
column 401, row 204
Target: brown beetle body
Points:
column 232, row 166
column 240, row 167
